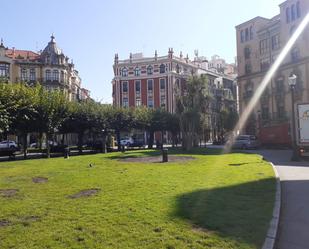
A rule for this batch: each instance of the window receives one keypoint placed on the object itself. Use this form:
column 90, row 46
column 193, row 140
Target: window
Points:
column 247, row 34
column 265, row 112
column 137, row 86
column 137, row 71
column 150, row 102
column 162, row 84
column 248, row 68
column 23, row 74
column 287, row 12
column 265, row 63
column 138, row 102
column 55, row 75
column 247, row 53
column 124, row 72
column 177, row 68
column 295, row 54
column 32, row 74
column 162, row 68
column 125, row 87
column 251, row 33
column 293, row 12
column 48, row 74
column 242, row 36
column 149, row 85
column 162, row 101
column 298, row 12
column 125, row 102
column 4, row 70
column 280, row 85
column 264, row 48
column 62, row 76
column 275, row 42
column 281, row 110
column 149, row 70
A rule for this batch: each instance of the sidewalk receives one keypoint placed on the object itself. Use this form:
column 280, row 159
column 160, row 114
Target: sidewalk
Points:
column 293, row 230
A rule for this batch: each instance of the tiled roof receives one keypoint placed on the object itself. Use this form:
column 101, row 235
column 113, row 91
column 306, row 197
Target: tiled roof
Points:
column 21, row 54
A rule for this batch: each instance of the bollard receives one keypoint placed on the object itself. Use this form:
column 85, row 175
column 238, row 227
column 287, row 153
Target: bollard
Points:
column 164, row 155
column 123, row 149
column 66, row 152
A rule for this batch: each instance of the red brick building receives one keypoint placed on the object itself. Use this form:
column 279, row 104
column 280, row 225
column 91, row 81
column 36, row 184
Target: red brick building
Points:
column 156, row 81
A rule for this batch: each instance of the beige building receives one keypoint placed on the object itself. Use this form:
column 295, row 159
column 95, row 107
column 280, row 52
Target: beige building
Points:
column 259, row 42
column 49, row 67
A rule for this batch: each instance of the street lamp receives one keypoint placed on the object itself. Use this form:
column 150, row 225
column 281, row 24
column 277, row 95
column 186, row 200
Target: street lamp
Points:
column 292, row 84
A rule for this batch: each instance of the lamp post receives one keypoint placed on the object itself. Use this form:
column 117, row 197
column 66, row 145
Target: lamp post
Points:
column 292, row 84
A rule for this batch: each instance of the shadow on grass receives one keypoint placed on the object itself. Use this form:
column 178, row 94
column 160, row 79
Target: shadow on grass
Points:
column 240, row 212
column 171, row 151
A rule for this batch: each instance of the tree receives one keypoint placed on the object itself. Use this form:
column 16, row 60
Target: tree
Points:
column 82, row 117
column 120, row 119
column 190, row 106
column 25, row 99
column 52, row 109
column 7, row 106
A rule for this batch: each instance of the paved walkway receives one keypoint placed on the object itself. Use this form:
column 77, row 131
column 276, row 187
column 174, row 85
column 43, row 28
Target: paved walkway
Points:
column 293, row 230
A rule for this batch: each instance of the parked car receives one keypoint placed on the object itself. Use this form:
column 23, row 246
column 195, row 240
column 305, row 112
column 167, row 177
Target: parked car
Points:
column 246, row 142
column 37, row 145
column 7, row 144
column 137, row 143
column 128, row 141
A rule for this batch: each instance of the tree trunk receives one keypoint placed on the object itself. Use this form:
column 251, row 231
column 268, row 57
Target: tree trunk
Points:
column 40, row 139
column 25, row 145
column 104, row 144
column 151, row 137
column 118, row 139
column 47, row 145
column 80, row 142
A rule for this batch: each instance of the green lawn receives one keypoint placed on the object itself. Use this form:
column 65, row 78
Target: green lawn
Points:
column 214, row 201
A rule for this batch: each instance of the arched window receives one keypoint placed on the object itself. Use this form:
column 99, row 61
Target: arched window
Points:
column 137, row 71
column 178, row 69
column 56, row 75
column 149, row 70
column 293, row 12
column 162, row 68
column 298, row 10
column 48, row 74
column 124, row 72
column 288, row 17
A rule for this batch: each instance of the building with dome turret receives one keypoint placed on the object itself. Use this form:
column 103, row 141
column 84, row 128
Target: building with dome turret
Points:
column 51, row 68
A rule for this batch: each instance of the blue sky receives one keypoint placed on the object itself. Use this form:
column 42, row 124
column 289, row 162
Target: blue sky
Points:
column 92, row 31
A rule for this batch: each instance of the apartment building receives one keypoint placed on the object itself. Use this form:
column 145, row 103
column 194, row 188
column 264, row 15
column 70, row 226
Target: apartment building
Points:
column 49, row 67
column 259, row 42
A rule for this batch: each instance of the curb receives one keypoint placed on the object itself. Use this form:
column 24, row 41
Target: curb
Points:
column 271, row 236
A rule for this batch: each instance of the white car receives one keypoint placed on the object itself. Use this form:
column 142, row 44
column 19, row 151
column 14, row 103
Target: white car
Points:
column 8, row 145
column 37, row 145
column 246, row 142
column 126, row 141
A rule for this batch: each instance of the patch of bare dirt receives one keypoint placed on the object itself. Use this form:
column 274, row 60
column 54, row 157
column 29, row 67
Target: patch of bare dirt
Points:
column 8, row 192
column 85, row 193
column 4, row 223
column 157, row 159
column 39, row 179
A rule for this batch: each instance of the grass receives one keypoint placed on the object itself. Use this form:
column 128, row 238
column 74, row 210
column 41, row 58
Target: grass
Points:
column 215, row 201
